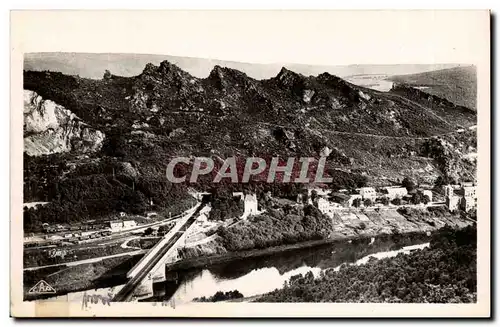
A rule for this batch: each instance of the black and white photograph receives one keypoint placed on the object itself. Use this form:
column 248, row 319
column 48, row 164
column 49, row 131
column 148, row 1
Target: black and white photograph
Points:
column 184, row 183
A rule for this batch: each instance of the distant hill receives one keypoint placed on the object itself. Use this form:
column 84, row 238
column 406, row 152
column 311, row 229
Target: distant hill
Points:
column 93, row 65
column 457, row 85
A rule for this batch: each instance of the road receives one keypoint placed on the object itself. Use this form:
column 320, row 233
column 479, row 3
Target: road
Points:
column 126, row 292
column 91, row 260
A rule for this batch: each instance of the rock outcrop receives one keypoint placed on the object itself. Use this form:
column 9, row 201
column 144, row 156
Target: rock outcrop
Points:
column 50, row 128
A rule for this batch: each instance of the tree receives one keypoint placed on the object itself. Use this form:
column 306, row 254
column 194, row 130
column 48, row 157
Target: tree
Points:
column 417, row 198
column 396, row 201
column 368, row 202
column 426, row 199
column 148, row 231
column 384, row 200
column 356, row 202
column 163, row 228
column 107, row 75
column 444, row 180
column 314, row 195
column 409, row 184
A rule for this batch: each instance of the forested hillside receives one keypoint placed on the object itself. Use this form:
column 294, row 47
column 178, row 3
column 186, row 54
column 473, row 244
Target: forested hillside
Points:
column 443, row 273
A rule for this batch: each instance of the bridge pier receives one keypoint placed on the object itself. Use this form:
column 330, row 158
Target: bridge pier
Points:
column 145, row 289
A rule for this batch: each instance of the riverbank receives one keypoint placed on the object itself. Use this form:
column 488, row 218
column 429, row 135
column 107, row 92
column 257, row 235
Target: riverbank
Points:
column 112, row 272
column 443, row 271
column 261, row 275
column 204, row 261
column 385, row 224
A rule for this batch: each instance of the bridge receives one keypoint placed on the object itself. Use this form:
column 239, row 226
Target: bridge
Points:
column 142, row 275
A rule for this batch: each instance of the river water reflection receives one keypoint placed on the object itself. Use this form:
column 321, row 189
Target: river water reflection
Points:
column 255, row 276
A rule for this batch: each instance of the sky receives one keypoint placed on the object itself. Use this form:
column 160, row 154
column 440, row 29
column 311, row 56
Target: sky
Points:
column 273, row 38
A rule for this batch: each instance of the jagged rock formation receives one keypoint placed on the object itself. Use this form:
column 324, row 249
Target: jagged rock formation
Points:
column 50, row 128
column 165, row 112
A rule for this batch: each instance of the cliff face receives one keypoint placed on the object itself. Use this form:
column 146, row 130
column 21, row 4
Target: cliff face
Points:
column 50, row 128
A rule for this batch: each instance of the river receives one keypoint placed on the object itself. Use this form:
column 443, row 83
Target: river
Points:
column 256, row 276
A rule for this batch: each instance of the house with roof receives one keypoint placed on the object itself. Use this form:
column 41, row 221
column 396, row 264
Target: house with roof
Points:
column 367, row 193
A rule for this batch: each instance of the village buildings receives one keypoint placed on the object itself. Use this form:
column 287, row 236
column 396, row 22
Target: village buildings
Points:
column 250, row 203
column 393, row 192
column 367, row 193
column 327, row 207
column 461, row 197
column 118, row 225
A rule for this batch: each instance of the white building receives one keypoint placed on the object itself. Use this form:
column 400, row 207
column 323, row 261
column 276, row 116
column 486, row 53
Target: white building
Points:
column 469, row 201
column 395, row 192
column 129, row 224
column 428, row 193
column 367, row 193
column 115, row 225
column 118, row 225
column 452, row 202
column 469, row 191
column 327, row 207
column 250, row 203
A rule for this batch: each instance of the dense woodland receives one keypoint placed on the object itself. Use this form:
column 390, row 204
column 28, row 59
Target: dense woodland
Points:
column 93, row 190
column 277, row 227
column 445, row 272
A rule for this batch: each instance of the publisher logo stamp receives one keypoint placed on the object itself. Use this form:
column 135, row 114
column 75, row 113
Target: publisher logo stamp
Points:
column 42, row 287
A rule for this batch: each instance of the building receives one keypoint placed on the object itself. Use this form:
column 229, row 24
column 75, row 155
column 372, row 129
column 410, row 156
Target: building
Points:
column 129, row 224
column 118, row 225
column 428, row 193
column 452, row 202
column 327, row 207
column 151, row 215
column 395, row 192
column 250, row 205
column 300, row 198
column 115, row 225
column 367, row 193
column 469, row 200
column 468, row 203
column 449, row 190
column 464, row 199
column 469, row 191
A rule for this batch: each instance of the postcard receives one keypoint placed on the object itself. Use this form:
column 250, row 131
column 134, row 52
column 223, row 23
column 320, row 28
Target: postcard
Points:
column 250, row 163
